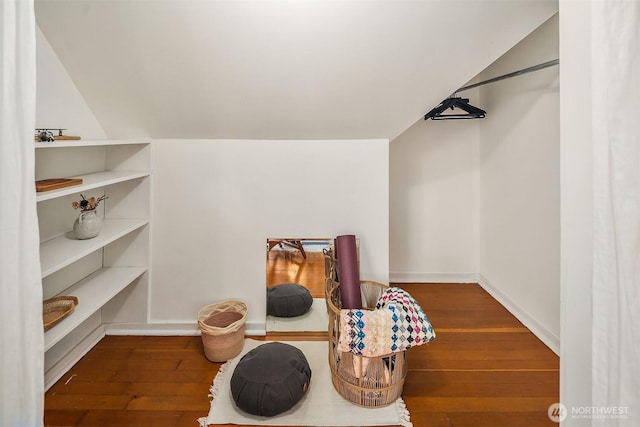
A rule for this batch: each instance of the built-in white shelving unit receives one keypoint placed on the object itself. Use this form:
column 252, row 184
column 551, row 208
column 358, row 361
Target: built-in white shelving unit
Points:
column 105, row 273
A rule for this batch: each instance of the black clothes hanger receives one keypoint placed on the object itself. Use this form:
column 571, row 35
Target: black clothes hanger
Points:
column 472, row 112
column 452, row 103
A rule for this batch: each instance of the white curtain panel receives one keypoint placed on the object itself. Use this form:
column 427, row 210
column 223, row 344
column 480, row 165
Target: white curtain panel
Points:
column 616, row 267
column 21, row 349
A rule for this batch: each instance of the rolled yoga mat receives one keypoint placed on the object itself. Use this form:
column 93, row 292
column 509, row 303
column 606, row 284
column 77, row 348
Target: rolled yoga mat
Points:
column 348, row 271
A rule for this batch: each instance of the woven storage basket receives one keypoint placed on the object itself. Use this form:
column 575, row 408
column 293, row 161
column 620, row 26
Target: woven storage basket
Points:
column 57, row 308
column 370, row 382
column 222, row 326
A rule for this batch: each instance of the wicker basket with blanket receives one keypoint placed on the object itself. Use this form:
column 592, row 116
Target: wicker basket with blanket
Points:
column 365, row 381
column 367, row 345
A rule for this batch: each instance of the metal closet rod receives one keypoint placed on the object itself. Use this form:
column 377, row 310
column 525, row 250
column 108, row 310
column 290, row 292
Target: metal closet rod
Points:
column 513, row 74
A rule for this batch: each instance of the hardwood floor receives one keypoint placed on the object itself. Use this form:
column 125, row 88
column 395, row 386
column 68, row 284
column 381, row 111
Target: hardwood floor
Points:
column 291, row 267
column 484, row 369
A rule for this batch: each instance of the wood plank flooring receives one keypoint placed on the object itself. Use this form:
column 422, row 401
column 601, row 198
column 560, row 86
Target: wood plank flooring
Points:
column 291, row 267
column 484, row 369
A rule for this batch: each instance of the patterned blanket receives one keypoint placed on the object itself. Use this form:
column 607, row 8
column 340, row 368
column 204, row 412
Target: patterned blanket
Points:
column 396, row 324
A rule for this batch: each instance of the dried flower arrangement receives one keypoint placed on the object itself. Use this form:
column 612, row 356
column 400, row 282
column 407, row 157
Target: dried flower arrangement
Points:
column 88, row 205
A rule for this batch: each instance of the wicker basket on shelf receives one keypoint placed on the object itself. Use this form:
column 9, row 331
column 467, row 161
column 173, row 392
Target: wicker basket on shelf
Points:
column 57, row 308
column 222, row 326
column 370, row 382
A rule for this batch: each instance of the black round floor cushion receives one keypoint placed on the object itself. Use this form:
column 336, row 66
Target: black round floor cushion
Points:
column 270, row 379
column 288, row 300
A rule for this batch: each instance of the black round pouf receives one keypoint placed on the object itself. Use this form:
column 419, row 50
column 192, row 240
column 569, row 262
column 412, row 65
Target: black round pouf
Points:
column 288, row 300
column 270, row 379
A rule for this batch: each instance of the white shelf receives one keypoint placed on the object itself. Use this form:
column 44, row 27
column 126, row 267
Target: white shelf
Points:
column 92, row 292
column 89, row 143
column 91, row 181
column 121, row 168
column 64, row 250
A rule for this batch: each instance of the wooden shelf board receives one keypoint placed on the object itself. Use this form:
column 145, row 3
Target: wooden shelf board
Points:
column 64, row 250
column 90, row 143
column 91, row 181
column 92, row 292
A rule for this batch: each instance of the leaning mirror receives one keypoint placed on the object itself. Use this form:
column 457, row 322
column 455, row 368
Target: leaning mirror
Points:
column 295, row 284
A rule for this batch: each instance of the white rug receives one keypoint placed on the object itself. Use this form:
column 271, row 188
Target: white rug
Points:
column 321, row 406
column 314, row 320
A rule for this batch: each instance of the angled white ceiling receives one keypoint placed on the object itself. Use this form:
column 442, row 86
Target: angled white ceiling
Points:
column 277, row 69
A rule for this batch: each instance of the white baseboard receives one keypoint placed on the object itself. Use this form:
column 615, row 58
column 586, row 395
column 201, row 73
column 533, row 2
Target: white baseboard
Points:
column 152, row 329
column 63, row 365
column 549, row 339
column 173, row 329
column 256, row 329
column 398, row 277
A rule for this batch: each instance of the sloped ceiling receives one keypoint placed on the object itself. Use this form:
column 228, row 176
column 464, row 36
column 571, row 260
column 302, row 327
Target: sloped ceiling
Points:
column 277, row 69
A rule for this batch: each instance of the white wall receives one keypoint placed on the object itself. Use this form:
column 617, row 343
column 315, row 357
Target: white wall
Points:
column 59, row 104
column 520, row 185
column 479, row 200
column 433, row 209
column 577, row 208
column 217, row 201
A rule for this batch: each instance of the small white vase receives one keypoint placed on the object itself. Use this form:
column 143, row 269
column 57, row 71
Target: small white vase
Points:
column 87, row 225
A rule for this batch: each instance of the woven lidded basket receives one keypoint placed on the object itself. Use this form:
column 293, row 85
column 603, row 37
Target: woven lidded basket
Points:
column 371, row 382
column 222, row 326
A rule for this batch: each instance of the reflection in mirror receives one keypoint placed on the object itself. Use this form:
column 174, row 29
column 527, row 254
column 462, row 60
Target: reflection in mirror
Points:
column 299, row 261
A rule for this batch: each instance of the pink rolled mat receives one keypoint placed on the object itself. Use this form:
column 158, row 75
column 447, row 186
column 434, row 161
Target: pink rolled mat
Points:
column 348, row 271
